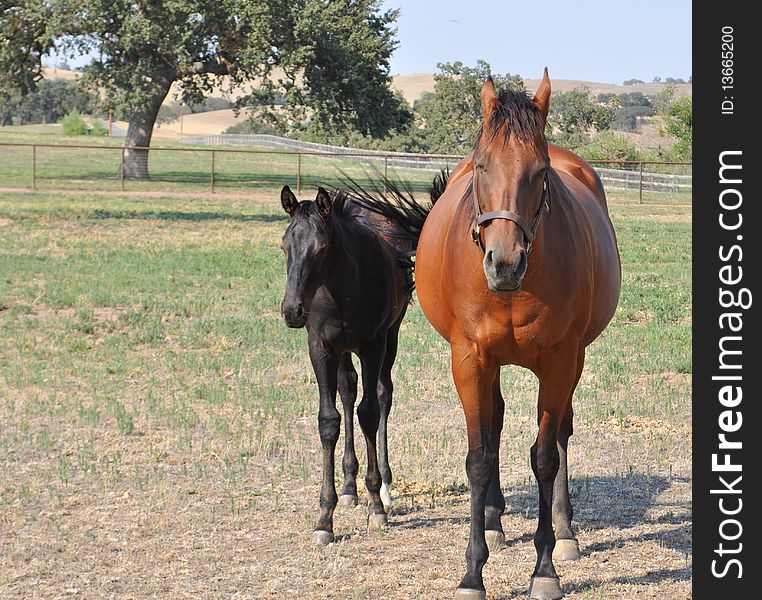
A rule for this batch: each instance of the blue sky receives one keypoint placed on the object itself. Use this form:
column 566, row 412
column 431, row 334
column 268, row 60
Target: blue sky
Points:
column 593, row 40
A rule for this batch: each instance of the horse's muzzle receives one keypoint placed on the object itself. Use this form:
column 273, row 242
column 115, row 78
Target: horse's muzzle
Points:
column 504, row 275
column 294, row 313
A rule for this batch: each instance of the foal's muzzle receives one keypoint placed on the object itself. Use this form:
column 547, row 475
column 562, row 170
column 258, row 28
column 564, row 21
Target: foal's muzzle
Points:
column 294, row 313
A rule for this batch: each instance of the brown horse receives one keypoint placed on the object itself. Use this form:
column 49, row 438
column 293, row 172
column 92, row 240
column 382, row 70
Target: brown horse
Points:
column 498, row 304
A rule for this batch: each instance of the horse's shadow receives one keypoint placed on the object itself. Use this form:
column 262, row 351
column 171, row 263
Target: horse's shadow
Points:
column 176, row 215
column 622, row 503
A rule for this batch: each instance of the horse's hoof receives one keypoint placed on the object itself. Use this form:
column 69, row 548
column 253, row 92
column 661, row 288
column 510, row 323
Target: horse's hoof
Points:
column 566, row 550
column 322, row 537
column 377, row 521
column 495, row 540
column 545, row 588
column 386, row 497
column 470, row 594
column 347, row 501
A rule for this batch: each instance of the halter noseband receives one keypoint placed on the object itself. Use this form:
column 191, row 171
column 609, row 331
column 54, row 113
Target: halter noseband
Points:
column 530, row 231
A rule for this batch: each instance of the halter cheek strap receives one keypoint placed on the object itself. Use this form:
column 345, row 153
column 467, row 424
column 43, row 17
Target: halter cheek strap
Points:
column 530, row 231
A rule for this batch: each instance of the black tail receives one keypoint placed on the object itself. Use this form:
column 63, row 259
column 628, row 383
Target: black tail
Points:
column 439, row 184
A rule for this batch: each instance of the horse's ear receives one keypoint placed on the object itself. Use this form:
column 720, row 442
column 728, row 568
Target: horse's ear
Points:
column 288, row 200
column 324, row 201
column 489, row 100
column 542, row 96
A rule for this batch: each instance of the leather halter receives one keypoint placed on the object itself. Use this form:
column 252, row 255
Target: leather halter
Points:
column 530, row 231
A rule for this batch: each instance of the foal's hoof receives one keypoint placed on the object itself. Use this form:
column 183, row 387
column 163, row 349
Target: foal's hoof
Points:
column 566, row 550
column 322, row 537
column 545, row 588
column 495, row 540
column 470, row 594
column 386, row 497
column 347, row 501
column 377, row 521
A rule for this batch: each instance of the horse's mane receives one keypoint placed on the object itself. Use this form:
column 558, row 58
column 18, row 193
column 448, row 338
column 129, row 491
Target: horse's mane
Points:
column 515, row 114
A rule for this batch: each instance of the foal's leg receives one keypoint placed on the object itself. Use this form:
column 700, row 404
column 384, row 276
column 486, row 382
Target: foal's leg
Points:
column 326, row 363
column 385, row 388
column 474, row 377
column 567, row 547
column 557, row 380
column 495, row 505
column 368, row 413
column 347, row 383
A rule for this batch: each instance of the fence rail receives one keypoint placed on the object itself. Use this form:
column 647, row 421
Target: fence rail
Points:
column 108, row 163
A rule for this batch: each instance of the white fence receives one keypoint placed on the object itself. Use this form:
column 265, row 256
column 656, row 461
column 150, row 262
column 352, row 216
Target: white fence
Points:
column 635, row 178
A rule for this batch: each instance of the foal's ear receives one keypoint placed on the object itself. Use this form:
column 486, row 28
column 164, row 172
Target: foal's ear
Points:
column 489, row 101
column 288, row 200
column 324, row 201
column 542, row 96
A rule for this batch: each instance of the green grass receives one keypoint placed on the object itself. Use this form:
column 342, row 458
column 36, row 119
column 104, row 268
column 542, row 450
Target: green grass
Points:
column 136, row 313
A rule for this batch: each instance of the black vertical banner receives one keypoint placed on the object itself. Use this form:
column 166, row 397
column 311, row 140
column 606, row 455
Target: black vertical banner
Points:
column 727, row 338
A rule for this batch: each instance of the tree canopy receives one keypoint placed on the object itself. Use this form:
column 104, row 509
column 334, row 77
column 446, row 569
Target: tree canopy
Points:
column 329, row 61
column 451, row 116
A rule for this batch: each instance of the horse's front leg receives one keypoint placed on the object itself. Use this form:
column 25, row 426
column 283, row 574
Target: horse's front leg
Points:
column 325, row 362
column 474, row 376
column 558, row 376
column 495, row 504
column 347, row 384
column 369, row 413
column 567, row 547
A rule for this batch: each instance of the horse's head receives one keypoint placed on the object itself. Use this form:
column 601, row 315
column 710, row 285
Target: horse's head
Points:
column 510, row 170
column 307, row 246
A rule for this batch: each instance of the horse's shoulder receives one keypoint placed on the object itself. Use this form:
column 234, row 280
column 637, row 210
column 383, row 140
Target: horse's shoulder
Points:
column 566, row 161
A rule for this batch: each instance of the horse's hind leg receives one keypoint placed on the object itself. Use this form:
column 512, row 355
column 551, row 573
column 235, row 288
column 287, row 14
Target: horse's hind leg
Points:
column 385, row 388
column 495, row 505
column 326, row 363
column 347, row 384
column 567, row 547
column 368, row 413
column 558, row 376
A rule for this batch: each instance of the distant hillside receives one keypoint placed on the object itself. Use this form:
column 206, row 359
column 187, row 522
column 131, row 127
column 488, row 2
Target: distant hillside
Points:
column 412, row 86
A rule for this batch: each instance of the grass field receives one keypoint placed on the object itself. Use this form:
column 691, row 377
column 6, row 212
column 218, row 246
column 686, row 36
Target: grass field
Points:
column 158, row 421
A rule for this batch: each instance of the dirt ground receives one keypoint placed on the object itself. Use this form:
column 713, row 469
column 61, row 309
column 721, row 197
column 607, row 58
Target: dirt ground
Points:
column 251, row 538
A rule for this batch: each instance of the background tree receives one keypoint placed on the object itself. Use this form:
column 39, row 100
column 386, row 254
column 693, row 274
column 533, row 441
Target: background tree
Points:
column 329, row 60
column 26, row 35
column 451, row 116
column 50, row 100
column 574, row 115
column 678, row 121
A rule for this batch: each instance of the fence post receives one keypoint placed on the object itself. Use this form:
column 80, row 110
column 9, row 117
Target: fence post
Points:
column 386, row 173
column 299, row 174
column 121, row 170
column 34, row 167
column 212, row 171
column 641, row 182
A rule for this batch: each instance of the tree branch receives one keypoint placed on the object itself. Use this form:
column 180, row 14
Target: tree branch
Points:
column 219, row 64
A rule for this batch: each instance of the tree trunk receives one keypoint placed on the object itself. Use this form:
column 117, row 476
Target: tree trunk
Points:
column 139, row 134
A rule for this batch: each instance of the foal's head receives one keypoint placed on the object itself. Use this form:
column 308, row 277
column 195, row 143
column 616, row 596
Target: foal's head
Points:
column 307, row 246
column 510, row 165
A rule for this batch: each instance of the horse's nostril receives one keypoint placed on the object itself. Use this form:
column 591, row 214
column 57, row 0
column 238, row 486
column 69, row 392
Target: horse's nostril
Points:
column 488, row 256
column 521, row 267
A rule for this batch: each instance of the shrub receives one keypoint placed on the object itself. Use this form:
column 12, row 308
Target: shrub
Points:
column 609, row 145
column 74, row 124
column 97, row 128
